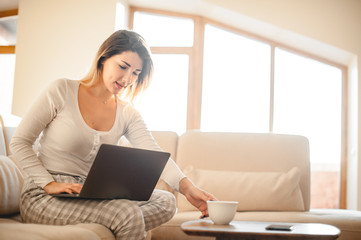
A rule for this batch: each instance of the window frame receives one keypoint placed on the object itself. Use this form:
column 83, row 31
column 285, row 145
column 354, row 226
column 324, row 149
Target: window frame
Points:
column 195, row 54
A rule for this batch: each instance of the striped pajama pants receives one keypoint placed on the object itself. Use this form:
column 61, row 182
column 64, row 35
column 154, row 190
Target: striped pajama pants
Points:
column 126, row 219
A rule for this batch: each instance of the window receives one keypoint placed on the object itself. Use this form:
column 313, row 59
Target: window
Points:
column 7, row 69
column 236, row 86
column 165, row 31
column 8, row 26
column 240, row 82
column 164, row 105
column 308, row 102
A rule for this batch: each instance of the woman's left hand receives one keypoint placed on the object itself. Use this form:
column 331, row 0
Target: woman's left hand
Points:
column 196, row 196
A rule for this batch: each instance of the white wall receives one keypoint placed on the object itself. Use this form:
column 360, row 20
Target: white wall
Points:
column 57, row 39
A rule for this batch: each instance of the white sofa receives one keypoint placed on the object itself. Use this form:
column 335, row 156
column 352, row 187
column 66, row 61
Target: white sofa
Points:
column 269, row 174
column 218, row 158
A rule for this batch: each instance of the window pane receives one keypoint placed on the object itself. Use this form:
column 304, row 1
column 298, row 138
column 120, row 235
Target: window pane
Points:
column 308, row 97
column 7, row 69
column 120, row 16
column 236, row 83
column 8, row 29
column 164, row 31
column 164, row 104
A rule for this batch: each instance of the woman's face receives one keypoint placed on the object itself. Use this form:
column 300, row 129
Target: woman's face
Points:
column 121, row 71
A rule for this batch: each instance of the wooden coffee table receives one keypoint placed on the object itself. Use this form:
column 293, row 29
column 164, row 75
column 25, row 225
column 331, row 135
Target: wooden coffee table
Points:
column 257, row 230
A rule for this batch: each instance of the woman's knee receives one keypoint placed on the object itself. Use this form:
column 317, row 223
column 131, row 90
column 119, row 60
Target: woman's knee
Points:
column 129, row 222
column 168, row 202
column 131, row 212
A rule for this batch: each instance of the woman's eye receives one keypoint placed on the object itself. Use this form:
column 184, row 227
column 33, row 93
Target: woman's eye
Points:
column 122, row 67
column 135, row 74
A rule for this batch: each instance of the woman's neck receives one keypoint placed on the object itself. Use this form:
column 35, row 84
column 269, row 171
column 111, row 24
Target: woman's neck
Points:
column 101, row 93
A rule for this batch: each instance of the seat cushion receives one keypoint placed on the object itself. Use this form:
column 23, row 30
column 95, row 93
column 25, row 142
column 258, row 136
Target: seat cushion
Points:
column 11, row 229
column 172, row 230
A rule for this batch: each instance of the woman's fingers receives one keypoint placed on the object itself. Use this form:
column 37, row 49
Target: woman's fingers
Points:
column 55, row 187
column 71, row 188
column 75, row 187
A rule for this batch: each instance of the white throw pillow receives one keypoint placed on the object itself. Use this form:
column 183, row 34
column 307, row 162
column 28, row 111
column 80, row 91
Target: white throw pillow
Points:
column 11, row 181
column 2, row 143
column 255, row 191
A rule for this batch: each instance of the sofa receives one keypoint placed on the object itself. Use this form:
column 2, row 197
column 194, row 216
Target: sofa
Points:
column 268, row 174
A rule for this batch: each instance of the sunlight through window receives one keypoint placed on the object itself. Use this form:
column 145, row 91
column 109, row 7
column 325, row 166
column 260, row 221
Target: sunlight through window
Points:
column 164, row 31
column 308, row 98
column 7, row 69
column 236, row 86
column 164, row 104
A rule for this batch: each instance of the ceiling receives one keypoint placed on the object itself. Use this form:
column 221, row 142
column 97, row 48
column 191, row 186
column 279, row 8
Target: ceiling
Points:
column 13, row 4
column 8, row 25
column 8, row 4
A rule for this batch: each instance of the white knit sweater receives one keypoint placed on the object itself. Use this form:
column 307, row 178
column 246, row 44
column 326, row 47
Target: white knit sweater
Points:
column 67, row 144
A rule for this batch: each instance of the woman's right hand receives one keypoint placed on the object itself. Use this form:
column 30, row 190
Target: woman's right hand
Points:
column 55, row 187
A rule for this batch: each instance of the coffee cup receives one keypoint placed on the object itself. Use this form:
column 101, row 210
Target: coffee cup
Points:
column 222, row 212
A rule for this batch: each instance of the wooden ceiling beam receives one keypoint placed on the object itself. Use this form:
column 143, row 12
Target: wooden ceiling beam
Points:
column 8, row 13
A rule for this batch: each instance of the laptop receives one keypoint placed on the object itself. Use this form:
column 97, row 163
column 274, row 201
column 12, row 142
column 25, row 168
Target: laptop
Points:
column 122, row 173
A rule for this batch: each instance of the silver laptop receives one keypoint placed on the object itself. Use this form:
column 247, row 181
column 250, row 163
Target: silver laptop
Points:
column 122, row 172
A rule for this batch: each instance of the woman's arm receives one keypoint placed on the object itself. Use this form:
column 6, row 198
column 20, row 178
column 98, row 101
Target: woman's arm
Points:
column 38, row 116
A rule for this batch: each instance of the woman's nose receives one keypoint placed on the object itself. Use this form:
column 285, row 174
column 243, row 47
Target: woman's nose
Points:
column 127, row 77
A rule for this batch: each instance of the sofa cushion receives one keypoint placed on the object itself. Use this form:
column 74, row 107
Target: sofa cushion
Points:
column 17, row 231
column 11, row 181
column 2, row 143
column 3, row 150
column 246, row 152
column 255, row 191
column 167, row 141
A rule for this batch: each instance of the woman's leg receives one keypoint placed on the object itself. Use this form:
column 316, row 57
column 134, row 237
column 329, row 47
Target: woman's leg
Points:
column 160, row 208
column 126, row 219
column 123, row 217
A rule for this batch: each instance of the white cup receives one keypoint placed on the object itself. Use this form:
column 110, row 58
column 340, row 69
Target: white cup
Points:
column 222, row 212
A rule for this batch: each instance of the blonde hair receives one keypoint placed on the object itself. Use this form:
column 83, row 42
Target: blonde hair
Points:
column 122, row 41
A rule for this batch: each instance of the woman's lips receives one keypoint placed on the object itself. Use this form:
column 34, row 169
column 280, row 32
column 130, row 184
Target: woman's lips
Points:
column 119, row 85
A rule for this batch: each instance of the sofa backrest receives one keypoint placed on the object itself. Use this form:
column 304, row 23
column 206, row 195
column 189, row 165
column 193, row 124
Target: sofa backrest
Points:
column 8, row 133
column 168, row 141
column 246, row 152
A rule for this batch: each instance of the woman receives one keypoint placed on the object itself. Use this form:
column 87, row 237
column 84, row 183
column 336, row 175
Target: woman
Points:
column 74, row 118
